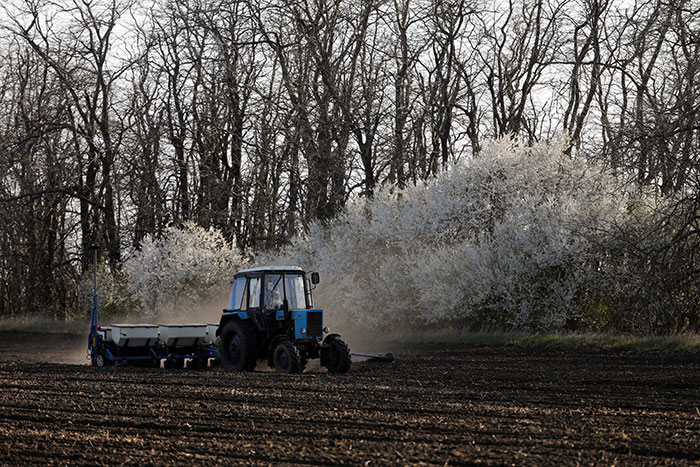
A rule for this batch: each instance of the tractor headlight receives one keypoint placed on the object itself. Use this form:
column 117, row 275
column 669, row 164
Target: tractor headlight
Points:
column 303, row 330
column 326, row 330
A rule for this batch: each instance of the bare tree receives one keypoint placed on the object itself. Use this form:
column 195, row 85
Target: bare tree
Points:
column 78, row 55
column 660, row 103
column 325, row 57
column 519, row 46
column 587, row 55
column 406, row 53
column 36, row 268
column 143, row 167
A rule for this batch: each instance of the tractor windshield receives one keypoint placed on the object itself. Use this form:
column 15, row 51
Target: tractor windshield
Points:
column 295, row 291
column 274, row 291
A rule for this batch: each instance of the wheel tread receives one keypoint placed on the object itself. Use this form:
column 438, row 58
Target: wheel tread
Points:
column 295, row 365
column 249, row 337
column 338, row 345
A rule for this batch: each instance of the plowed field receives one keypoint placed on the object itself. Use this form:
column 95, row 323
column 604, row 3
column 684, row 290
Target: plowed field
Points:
column 436, row 405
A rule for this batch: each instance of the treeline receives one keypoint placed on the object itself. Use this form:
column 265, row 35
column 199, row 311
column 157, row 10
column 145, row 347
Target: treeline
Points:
column 119, row 119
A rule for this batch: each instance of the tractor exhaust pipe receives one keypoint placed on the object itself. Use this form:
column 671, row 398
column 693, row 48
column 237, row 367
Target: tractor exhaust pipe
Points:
column 388, row 357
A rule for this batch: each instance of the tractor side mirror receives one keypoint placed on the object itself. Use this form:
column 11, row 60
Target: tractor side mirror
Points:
column 315, row 278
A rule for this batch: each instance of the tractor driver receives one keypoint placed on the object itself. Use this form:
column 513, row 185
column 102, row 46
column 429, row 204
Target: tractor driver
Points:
column 273, row 297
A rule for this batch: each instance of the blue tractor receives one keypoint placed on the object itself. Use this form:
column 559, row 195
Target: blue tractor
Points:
column 270, row 316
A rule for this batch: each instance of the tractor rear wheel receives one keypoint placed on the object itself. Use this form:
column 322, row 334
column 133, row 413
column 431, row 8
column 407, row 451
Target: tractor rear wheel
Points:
column 238, row 347
column 287, row 358
column 336, row 356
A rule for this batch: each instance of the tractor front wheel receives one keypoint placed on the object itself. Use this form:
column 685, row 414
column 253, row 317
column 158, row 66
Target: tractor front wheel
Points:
column 238, row 347
column 335, row 355
column 287, row 358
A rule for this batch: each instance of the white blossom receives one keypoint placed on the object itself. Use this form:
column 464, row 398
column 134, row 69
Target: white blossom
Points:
column 184, row 267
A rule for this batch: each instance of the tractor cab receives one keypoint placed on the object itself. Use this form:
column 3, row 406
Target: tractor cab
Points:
column 270, row 315
column 268, row 288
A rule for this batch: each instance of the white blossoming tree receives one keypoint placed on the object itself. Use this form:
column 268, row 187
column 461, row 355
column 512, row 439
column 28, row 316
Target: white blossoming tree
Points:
column 186, row 266
column 507, row 239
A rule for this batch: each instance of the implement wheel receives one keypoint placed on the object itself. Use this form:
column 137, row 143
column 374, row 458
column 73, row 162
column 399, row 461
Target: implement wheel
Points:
column 98, row 361
column 197, row 363
column 287, row 358
column 336, row 355
column 174, row 363
column 238, row 347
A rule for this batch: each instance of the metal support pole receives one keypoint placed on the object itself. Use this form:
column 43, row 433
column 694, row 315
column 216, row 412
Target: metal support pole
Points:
column 93, row 316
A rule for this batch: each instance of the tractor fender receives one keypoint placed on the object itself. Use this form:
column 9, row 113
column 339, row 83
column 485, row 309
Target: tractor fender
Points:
column 227, row 317
column 328, row 337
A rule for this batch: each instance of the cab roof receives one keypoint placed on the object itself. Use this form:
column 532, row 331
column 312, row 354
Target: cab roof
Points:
column 270, row 268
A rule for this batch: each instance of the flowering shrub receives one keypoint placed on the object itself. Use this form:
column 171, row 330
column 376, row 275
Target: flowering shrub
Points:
column 508, row 239
column 184, row 267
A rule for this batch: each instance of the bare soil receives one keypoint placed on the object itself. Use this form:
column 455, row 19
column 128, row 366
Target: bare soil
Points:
column 436, row 405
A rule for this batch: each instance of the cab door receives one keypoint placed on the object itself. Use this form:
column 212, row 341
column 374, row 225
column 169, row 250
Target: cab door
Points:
column 255, row 312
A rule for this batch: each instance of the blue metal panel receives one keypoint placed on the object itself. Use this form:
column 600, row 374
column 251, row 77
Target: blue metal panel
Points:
column 208, row 351
column 300, row 321
column 241, row 314
column 109, row 355
column 299, row 318
column 280, row 315
column 299, row 314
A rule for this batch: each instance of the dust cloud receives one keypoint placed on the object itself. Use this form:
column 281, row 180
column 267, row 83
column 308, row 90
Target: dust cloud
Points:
column 207, row 311
column 361, row 337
